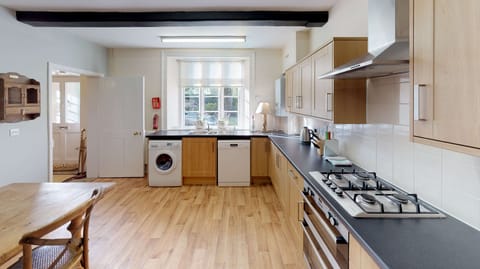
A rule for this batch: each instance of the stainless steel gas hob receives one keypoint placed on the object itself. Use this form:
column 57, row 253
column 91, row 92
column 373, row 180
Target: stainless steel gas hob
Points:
column 363, row 195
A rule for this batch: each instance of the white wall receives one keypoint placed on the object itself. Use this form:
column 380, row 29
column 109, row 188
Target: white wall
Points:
column 148, row 62
column 346, row 18
column 26, row 50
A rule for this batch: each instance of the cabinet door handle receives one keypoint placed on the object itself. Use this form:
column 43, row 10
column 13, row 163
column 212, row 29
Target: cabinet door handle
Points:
column 291, row 174
column 329, row 102
column 300, row 98
column 300, row 211
column 419, row 102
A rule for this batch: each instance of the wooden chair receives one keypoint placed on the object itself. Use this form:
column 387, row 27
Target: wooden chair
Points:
column 59, row 252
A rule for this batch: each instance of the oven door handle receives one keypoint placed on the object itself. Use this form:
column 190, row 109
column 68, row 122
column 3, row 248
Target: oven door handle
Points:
column 326, row 227
column 312, row 245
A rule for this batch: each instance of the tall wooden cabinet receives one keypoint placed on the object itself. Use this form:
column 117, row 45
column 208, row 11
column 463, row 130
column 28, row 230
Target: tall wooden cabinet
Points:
column 444, row 73
column 289, row 90
column 302, row 87
column 338, row 101
column 259, row 150
column 199, row 160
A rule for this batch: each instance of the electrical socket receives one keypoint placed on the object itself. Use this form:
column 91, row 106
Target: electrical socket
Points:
column 14, row 132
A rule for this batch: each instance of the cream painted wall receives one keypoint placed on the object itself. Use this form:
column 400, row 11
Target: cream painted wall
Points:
column 27, row 50
column 346, row 18
column 148, row 62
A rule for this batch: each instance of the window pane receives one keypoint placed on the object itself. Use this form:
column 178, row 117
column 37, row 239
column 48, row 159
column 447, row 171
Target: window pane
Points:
column 232, row 118
column 230, row 92
column 210, row 91
column 210, row 117
column 72, row 102
column 211, row 104
column 230, row 103
column 191, row 118
column 192, row 103
column 192, row 91
column 57, row 102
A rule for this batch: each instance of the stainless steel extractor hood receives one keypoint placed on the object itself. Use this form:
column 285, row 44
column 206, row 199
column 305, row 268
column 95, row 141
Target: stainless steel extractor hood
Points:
column 388, row 46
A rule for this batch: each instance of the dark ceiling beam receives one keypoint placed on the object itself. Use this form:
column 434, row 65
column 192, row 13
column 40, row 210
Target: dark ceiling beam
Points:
column 180, row 18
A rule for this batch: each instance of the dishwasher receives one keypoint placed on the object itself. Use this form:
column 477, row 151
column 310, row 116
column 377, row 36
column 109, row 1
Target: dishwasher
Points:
column 233, row 162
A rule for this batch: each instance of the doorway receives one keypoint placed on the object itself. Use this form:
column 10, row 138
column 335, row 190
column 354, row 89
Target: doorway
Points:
column 66, row 125
column 66, row 120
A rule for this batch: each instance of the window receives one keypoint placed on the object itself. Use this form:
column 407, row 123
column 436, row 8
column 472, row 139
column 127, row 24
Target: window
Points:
column 66, row 106
column 212, row 91
column 211, row 104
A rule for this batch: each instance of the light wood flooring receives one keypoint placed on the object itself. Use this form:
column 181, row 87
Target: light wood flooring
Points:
column 136, row 226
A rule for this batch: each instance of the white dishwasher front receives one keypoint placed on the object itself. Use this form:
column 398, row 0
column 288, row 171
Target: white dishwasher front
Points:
column 233, row 162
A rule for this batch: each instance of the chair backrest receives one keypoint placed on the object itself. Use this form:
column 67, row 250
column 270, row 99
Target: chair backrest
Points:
column 84, row 211
column 79, row 225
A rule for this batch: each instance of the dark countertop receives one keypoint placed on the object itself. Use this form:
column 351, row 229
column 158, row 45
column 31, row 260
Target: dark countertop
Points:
column 395, row 243
column 179, row 134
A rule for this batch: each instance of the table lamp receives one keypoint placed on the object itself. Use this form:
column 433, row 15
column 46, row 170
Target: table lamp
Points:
column 263, row 108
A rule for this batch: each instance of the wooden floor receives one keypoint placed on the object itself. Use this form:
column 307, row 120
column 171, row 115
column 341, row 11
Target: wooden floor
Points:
column 136, row 226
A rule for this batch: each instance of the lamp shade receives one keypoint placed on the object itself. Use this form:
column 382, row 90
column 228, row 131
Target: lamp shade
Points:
column 263, row 108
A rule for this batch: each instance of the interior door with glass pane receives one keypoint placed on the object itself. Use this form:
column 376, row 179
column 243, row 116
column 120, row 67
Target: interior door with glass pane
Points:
column 66, row 122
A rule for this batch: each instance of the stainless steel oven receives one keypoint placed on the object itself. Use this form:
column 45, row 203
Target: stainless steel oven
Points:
column 325, row 239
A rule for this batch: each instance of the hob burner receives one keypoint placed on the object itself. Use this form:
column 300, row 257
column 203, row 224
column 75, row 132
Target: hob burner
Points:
column 398, row 197
column 367, row 198
column 335, row 176
column 362, row 175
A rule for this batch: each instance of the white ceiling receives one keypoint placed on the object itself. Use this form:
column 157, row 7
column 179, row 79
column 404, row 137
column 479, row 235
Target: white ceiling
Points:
column 147, row 37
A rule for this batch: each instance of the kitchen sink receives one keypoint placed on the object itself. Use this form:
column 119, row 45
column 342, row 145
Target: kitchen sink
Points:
column 203, row 132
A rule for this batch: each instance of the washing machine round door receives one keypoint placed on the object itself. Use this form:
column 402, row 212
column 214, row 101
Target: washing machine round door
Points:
column 165, row 162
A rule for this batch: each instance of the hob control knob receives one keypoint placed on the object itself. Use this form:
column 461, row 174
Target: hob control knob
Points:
column 332, row 220
column 339, row 192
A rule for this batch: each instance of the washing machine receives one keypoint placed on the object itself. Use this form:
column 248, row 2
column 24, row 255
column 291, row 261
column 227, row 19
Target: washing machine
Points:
column 165, row 163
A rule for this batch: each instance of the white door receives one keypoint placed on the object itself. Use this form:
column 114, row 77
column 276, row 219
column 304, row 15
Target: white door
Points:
column 115, row 127
column 66, row 122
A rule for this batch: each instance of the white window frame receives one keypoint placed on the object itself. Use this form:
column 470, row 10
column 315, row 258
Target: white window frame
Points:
column 221, row 104
column 171, row 80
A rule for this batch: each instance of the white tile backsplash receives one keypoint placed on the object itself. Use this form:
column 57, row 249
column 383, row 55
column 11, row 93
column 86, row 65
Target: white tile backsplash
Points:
column 428, row 173
column 403, row 172
column 447, row 179
column 385, row 150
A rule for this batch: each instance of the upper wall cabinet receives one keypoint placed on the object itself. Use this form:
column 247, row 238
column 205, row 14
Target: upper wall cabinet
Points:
column 19, row 98
column 338, row 101
column 445, row 66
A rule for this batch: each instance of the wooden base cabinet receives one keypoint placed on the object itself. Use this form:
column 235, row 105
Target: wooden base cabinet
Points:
column 288, row 185
column 444, row 66
column 358, row 257
column 199, row 160
column 259, row 148
column 295, row 210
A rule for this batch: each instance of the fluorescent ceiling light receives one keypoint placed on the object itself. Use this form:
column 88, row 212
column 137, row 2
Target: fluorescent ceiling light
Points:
column 202, row 39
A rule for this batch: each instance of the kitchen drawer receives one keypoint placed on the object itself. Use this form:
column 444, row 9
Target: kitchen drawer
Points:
column 295, row 176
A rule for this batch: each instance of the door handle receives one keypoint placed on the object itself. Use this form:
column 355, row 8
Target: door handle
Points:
column 419, row 101
column 63, row 127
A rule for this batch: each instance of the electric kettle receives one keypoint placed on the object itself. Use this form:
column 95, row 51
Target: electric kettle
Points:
column 305, row 135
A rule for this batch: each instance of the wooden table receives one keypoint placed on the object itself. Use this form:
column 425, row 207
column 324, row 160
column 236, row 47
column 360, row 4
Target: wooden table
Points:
column 28, row 207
